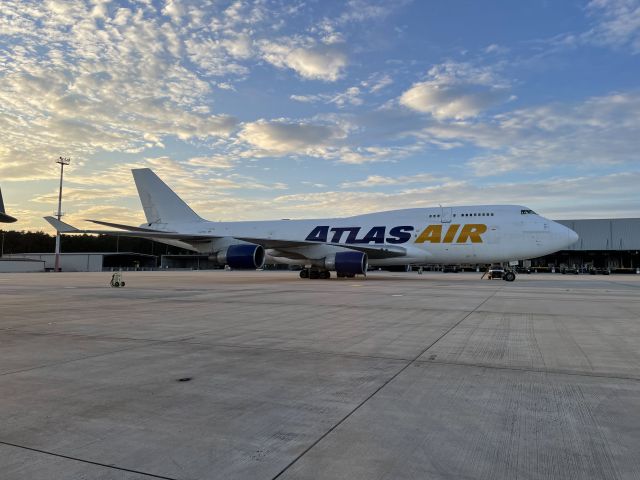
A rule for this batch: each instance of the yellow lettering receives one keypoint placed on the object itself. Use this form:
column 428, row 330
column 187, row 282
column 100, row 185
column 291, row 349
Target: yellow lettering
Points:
column 472, row 232
column 451, row 232
column 432, row 234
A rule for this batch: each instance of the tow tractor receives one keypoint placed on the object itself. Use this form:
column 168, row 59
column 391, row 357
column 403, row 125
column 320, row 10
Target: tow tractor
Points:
column 497, row 272
column 116, row 280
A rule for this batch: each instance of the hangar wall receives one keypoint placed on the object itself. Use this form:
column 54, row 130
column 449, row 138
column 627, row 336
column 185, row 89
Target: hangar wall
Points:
column 612, row 244
column 21, row 265
column 91, row 262
column 605, row 234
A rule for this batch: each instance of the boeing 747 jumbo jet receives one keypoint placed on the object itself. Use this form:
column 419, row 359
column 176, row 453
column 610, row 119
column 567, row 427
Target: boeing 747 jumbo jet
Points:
column 477, row 234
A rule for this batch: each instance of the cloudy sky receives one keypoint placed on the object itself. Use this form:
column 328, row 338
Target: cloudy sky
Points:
column 263, row 109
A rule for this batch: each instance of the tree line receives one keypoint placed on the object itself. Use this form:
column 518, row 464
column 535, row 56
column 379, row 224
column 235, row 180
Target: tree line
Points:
column 41, row 242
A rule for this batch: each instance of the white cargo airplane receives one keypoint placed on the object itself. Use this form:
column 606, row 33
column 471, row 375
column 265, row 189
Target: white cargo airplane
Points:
column 476, row 234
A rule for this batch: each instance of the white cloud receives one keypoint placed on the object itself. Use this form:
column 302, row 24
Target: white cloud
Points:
column 212, row 161
column 282, row 137
column 377, row 83
column 363, row 10
column 351, row 96
column 456, row 91
column 600, row 132
column 69, row 86
column 373, row 181
column 373, row 154
column 617, row 24
column 306, row 57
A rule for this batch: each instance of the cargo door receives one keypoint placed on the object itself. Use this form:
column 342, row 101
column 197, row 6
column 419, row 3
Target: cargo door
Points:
column 445, row 216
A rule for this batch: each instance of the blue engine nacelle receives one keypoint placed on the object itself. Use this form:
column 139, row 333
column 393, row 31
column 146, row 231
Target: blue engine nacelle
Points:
column 350, row 263
column 242, row 256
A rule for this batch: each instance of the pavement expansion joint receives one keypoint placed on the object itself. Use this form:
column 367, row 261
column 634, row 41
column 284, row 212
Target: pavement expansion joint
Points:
column 90, row 462
column 86, row 357
column 384, row 384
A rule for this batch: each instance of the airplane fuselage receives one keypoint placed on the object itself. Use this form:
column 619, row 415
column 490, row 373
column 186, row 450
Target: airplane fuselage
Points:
column 471, row 234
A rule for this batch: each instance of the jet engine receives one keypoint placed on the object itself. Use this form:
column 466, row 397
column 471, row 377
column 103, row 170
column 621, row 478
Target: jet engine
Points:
column 350, row 263
column 242, row 256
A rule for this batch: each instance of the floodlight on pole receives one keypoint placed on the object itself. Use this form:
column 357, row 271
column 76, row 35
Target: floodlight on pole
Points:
column 62, row 162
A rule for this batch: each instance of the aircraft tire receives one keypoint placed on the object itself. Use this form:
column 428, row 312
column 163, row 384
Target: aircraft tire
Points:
column 314, row 274
column 509, row 276
column 304, row 273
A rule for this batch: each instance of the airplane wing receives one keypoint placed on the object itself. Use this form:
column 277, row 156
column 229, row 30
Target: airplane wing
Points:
column 372, row 251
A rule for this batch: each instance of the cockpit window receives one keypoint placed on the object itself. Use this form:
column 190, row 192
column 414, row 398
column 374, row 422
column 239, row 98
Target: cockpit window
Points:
column 527, row 212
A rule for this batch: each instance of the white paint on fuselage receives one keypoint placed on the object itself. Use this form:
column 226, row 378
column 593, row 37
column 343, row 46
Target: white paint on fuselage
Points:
column 510, row 235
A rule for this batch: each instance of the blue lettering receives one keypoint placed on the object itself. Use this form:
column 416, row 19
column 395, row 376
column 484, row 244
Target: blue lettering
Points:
column 401, row 234
column 351, row 238
column 318, row 234
column 375, row 235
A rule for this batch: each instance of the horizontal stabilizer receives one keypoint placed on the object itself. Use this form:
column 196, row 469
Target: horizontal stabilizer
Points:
column 60, row 226
column 129, row 228
column 4, row 218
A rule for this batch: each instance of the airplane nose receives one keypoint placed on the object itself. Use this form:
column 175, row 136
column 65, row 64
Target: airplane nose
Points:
column 572, row 236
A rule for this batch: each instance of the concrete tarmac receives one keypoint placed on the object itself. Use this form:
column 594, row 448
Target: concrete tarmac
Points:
column 262, row 375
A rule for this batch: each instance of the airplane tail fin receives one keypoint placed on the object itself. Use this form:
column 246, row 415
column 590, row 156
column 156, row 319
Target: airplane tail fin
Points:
column 160, row 203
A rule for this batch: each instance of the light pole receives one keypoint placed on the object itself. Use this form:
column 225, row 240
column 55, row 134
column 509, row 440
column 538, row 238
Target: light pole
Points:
column 62, row 161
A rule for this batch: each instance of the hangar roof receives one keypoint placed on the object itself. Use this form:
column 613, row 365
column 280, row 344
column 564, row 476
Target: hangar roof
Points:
column 605, row 234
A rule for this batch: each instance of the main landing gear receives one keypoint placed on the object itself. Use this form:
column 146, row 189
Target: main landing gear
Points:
column 315, row 274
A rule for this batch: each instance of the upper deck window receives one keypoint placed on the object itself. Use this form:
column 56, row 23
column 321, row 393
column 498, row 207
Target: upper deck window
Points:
column 527, row 212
